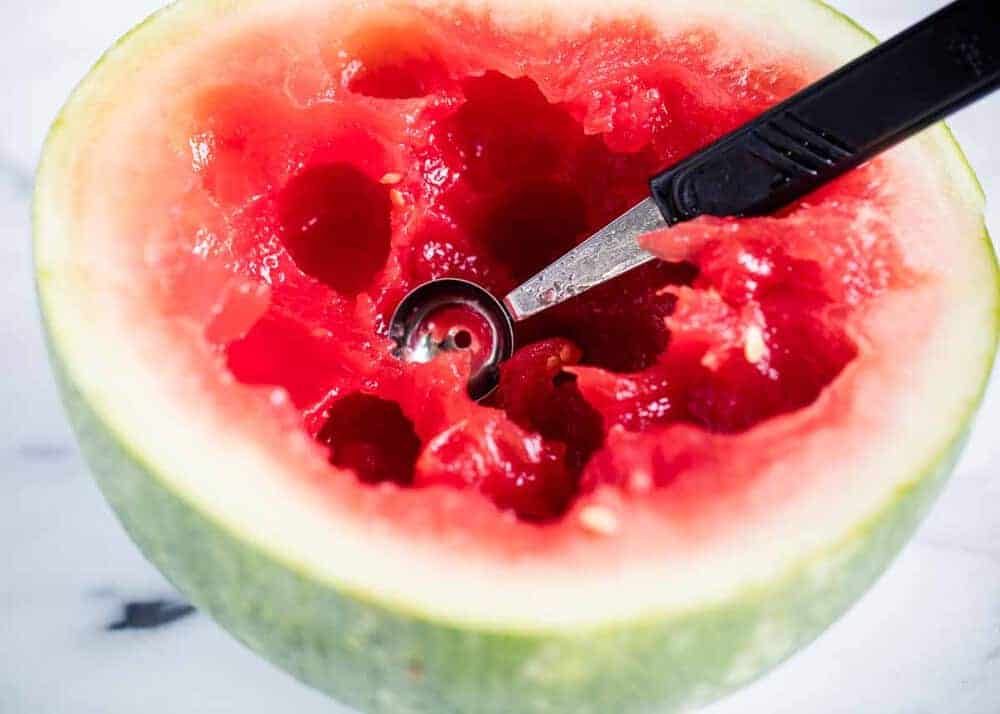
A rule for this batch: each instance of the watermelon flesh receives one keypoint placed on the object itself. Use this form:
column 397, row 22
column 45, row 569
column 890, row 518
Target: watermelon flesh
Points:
column 489, row 179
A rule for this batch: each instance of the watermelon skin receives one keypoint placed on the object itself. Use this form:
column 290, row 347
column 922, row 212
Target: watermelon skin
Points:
column 379, row 657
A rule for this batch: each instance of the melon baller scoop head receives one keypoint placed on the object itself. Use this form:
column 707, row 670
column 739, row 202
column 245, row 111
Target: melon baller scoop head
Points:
column 918, row 77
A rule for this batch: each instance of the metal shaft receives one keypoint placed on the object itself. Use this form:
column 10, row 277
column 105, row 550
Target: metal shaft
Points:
column 611, row 251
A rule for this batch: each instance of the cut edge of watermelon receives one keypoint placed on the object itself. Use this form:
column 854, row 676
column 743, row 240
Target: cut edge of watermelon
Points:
column 339, row 640
column 101, row 415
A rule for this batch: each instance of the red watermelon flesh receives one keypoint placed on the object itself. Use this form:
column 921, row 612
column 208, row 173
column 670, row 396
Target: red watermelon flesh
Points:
column 485, row 158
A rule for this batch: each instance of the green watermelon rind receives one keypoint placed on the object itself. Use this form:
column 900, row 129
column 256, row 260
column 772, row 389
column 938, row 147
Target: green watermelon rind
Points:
column 379, row 658
column 384, row 656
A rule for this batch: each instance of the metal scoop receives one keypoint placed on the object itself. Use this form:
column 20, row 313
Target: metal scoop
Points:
column 902, row 86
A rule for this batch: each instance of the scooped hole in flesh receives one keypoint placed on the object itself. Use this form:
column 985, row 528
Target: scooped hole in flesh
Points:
column 372, row 437
column 394, row 60
column 336, row 225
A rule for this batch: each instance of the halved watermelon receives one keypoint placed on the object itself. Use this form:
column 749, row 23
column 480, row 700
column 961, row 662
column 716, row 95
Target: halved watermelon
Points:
column 685, row 475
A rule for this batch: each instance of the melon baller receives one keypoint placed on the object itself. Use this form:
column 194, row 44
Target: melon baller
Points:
column 918, row 77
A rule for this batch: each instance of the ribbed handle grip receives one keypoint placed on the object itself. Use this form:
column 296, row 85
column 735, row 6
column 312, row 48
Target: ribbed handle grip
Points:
column 902, row 86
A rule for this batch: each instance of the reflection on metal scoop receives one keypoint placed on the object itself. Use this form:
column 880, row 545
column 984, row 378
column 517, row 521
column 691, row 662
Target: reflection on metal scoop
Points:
column 935, row 67
column 450, row 314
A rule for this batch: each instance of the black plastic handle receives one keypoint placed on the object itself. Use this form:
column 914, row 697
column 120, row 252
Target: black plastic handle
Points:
column 902, row 86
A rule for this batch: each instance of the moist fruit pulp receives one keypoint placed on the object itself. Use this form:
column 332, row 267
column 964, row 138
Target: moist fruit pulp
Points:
column 419, row 162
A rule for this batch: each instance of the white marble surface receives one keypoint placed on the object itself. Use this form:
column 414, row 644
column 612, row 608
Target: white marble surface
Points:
column 925, row 639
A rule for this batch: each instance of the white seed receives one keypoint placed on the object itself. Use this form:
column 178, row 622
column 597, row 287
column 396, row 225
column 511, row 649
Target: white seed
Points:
column 397, row 198
column 754, row 347
column 278, row 396
column 391, row 178
column 640, row 481
column 599, row 520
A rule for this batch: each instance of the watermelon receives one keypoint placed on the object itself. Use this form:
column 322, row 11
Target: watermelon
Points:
column 684, row 476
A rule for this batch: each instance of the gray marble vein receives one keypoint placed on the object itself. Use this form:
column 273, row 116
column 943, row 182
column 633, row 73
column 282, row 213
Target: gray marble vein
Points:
column 44, row 452
column 149, row 614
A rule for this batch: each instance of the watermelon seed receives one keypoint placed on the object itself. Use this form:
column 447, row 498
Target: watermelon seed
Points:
column 599, row 520
column 754, row 347
column 640, row 481
column 279, row 396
